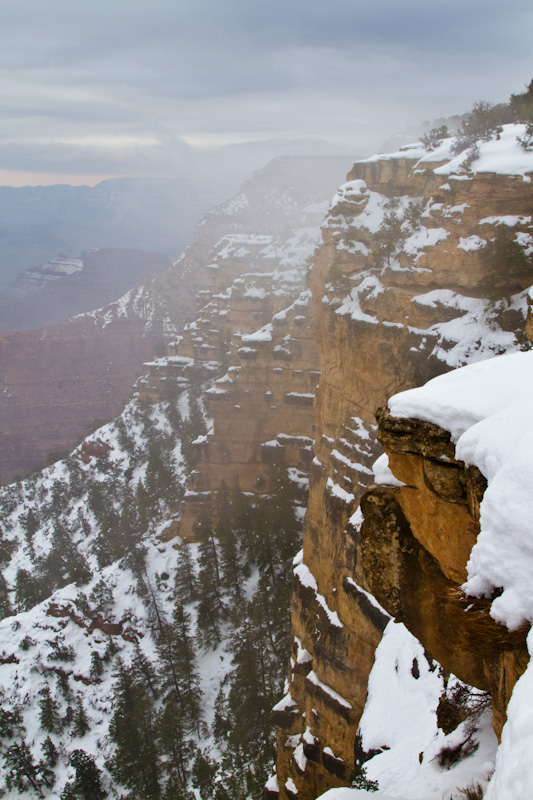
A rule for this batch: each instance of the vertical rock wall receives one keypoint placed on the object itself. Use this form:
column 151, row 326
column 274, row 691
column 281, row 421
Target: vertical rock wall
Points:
column 398, row 292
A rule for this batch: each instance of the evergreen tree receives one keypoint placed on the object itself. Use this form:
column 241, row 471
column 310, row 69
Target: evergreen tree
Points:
column 144, row 505
column 242, row 523
column 10, row 722
column 30, row 525
column 277, row 531
column 97, row 667
column 507, row 268
column 22, row 773
column 50, row 753
column 203, row 775
column 144, row 673
column 29, row 591
column 135, row 763
column 49, row 712
column 173, row 741
column 179, row 678
column 101, row 597
column 230, row 563
column 210, row 606
column 64, row 563
column 87, row 784
column 186, row 583
column 6, row 609
column 81, row 723
column 159, row 479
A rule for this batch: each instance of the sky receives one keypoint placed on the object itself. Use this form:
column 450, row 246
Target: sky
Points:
column 97, row 88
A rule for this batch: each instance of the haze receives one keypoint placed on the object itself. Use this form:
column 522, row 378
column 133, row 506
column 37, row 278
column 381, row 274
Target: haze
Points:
column 97, row 89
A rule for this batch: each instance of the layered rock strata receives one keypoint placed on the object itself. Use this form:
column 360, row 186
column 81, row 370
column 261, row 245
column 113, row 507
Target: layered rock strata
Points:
column 399, row 289
column 55, row 382
column 415, row 543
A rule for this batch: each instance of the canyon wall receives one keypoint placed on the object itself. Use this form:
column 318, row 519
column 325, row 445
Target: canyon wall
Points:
column 401, row 293
column 253, row 334
column 55, row 382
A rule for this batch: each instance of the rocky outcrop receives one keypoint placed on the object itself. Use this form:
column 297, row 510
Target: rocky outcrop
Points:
column 253, row 335
column 63, row 287
column 57, row 381
column 415, row 543
column 399, row 290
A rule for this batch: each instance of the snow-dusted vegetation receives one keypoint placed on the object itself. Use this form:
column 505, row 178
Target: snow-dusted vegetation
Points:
column 127, row 668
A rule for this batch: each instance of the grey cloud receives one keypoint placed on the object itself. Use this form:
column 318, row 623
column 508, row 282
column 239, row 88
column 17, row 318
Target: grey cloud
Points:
column 349, row 71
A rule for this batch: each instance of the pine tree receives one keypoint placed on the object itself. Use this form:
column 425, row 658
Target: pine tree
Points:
column 135, row 763
column 10, row 721
column 101, row 597
column 242, row 523
column 50, row 752
column 64, row 563
column 210, row 606
column 29, row 591
column 230, row 563
column 173, row 741
column 30, row 524
column 144, row 673
column 507, row 267
column 81, row 723
column 6, row 609
column 49, row 712
column 22, row 773
column 87, row 784
column 179, row 678
column 186, row 583
column 97, row 667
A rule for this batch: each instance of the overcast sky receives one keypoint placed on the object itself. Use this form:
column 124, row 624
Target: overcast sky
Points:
column 131, row 87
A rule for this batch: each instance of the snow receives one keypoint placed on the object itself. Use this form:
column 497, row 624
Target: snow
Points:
column 329, row 752
column 370, row 597
column 299, row 757
column 424, row 237
column 315, row 680
column 510, row 220
column 487, row 409
column 357, row 794
column 285, row 704
column 307, row 579
column 272, row 784
column 264, row 334
column 403, row 693
column 502, row 156
column 337, row 491
column 471, row 243
column 474, row 335
column 291, row 786
column 383, row 474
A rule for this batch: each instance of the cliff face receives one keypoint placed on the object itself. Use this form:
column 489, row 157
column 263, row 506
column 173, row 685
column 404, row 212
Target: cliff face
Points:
column 400, row 294
column 253, row 334
column 65, row 286
column 55, row 382
column 415, row 543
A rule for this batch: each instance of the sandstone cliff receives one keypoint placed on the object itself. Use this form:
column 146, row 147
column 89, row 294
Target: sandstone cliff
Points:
column 56, row 382
column 400, row 294
column 253, row 333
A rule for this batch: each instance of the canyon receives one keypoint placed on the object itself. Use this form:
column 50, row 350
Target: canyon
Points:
column 305, row 315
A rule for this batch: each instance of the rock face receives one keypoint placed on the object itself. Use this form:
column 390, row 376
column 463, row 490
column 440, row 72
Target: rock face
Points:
column 55, row 382
column 399, row 290
column 65, row 286
column 253, row 333
column 415, row 542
